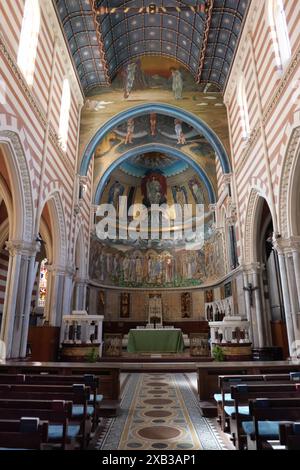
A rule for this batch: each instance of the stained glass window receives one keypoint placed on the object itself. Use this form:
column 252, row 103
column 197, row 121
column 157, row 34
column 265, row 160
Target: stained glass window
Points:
column 43, row 283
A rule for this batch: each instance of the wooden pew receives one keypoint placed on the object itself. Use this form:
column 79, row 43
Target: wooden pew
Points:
column 12, row 378
column 47, row 379
column 267, row 414
column 243, row 393
column 224, row 397
column 108, row 374
column 289, row 435
column 208, row 372
column 56, row 412
column 226, row 381
column 79, row 394
column 23, row 434
column 89, row 380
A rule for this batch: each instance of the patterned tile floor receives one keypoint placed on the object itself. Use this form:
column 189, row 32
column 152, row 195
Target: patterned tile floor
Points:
column 160, row 412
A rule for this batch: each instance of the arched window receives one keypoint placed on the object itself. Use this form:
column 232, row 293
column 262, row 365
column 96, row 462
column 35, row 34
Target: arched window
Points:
column 280, row 32
column 29, row 39
column 42, row 294
column 64, row 114
column 244, row 113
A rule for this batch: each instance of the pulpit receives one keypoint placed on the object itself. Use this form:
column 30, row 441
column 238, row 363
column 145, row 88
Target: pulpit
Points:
column 81, row 336
column 229, row 331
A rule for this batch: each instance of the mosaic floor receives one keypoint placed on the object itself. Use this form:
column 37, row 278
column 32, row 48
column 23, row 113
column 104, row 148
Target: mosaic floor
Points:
column 160, row 411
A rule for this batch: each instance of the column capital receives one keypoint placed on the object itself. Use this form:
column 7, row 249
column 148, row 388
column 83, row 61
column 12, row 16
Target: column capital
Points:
column 21, row 247
column 226, row 178
column 94, row 207
column 57, row 269
column 251, row 268
column 81, row 281
column 83, row 179
column 286, row 245
column 294, row 242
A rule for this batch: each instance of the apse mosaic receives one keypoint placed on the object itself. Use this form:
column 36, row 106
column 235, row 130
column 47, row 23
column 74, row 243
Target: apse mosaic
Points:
column 144, row 268
column 165, row 134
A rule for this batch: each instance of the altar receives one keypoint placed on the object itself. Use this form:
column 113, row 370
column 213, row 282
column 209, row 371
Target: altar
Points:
column 155, row 340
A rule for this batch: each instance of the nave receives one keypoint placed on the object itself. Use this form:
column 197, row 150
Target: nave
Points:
column 161, row 412
column 149, row 225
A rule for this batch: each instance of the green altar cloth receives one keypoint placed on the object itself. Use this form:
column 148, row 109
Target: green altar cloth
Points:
column 155, row 340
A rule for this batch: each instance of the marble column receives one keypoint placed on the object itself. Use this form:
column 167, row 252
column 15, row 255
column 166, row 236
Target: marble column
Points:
column 295, row 249
column 248, row 308
column 293, row 293
column 55, row 296
column 22, row 269
column 279, row 246
column 68, row 290
column 252, row 276
column 258, row 309
column 80, row 294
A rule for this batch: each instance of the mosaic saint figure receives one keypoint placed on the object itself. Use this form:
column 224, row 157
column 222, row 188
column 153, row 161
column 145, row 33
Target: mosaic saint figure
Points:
column 177, row 83
column 116, row 190
column 179, row 195
column 179, row 132
column 153, row 191
column 126, row 267
column 116, row 266
column 102, row 266
column 153, row 124
column 168, row 270
column 139, row 270
column 130, row 131
column 132, row 270
column 197, row 191
column 129, row 78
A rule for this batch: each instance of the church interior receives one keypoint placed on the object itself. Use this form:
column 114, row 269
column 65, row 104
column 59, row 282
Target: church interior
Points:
column 150, row 225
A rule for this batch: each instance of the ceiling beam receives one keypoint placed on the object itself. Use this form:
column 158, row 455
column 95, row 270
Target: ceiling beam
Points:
column 100, row 42
column 209, row 11
column 151, row 9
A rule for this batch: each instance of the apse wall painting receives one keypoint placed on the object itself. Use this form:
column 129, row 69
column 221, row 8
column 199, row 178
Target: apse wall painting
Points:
column 147, row 72
column 157, row 80
column 153, row 128
column 121, row 140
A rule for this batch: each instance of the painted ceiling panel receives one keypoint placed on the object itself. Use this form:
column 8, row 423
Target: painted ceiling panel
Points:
column 102, row 41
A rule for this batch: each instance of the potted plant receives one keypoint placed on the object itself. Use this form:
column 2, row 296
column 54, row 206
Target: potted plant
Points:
column 92, row 356
column 218, row 354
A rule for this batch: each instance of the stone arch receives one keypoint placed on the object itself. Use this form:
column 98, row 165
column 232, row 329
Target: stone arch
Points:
column 17, row 158
column 4, row 233
column 290, row 177
column 257, row 189
column 250, row 226
column 46, row 236
column 59, row 233
column 164, row 109
column 5, row 193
